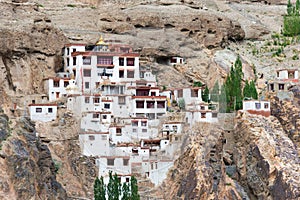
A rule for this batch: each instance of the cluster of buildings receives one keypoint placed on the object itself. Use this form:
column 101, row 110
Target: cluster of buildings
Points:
column 126, row 121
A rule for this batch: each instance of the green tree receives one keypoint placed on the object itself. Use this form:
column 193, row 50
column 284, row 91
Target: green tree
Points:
column 246, row 90
column 197, row 84
column 297, row 7
column 113, row 187
column 134, row 189
column 289, row 8
column 125, row 191
column 214, row 96
column 205, row 94
column 99, row 189
column 233, row 85
column 253, row 90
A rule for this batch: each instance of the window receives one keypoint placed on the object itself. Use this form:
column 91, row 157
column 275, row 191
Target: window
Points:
column 50, row 110
column 96, row 115
column 130, row 73
column 99, row 74
column 38, row 110
column 121, row 61
column 119, row 131
column 121, row 73
column 194, row 92
column 130, row 61
column 266, row 105
column 110, row 161
column 86, row 60
column 144, row 123
column 121, row 100
column 104, row 137
column 107, row 105
column 73, row 50
column 160, row 104
column 203, row 115
column 257, row 106
column 173, row 60
column 144, row 130
column 180, row 93
column 104, row 60
column 214, row 115
column 97, row 100
column 56, row 84
column 66, row 83
column 202, row 107
column 91, row 137
column 87, row 100
column 139, row 104
column 124, row 49
column 87, row 85
column 134, row 123
column 281, row 86
column 127, row 180
column 104, row 116
column 150, row 104
column 68, row 61
column 134, row 130
column 87, row 73
column 68, row 51
column 125, row 162
column 74, row 60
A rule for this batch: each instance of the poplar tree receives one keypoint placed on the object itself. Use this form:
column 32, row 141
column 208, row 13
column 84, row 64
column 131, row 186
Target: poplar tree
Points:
column 134, row 189
column 125, row 191
column 113, row 187
column 99, row 189
column 253, row 90
column 233, row 87
column 205, row 94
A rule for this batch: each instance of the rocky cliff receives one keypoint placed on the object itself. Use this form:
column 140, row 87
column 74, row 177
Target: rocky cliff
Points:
column 27, row 168
column 264, row 164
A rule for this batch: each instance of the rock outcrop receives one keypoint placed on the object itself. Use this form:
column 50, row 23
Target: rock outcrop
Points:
column 27, row 168
column 288, row 115
column 266, row 159
column 29, row 49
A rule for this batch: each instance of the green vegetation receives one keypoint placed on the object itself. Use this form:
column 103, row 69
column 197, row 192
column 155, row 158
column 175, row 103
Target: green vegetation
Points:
column 231, row 92
column 205, row 94
column 57, row 166
column 99, row 189
column 250, row 90
column 114, row 190
column 197, row 84
column 291, row 22
column 181, row 104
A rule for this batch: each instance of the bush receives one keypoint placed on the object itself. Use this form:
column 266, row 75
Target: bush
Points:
column 291, row 25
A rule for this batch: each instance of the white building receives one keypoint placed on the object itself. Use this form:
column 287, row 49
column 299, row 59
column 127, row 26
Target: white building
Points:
column 257, row 107
column 176, row 60
column 288, row 74
column 201, row 112
column 94, row 143
column 58, row 87
column 43, row 112
column 189, row 95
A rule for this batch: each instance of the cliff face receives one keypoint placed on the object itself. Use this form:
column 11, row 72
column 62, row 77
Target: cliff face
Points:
column 264, row 164
column 267, row 160
column 288, row 115
column 29, row 49
column 27, row 168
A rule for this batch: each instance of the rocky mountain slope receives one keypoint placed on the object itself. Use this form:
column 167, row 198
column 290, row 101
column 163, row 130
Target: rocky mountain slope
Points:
column 264, row 162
